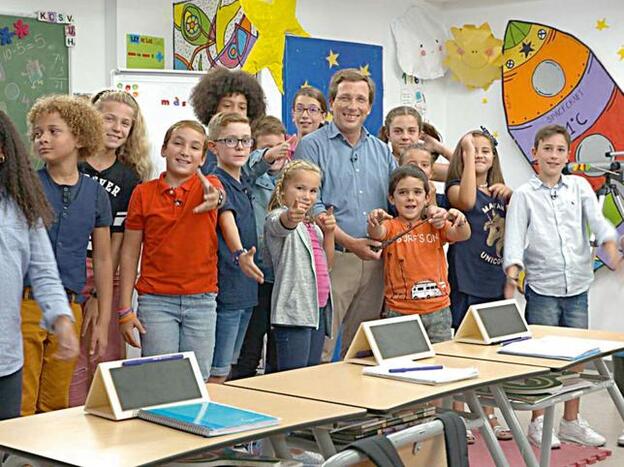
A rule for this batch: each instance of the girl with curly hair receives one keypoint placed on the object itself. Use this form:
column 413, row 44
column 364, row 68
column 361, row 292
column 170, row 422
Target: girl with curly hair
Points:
column 25, row 250
column 223, row 90
column 65, row 130
column 123, row 162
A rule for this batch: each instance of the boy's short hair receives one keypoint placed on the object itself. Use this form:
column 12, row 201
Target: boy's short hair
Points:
column 353, row 75
column 83, row 120
column 549, row 130
column 267, row 125
column 407, row 171
column 415, row 147
column 193, row 125
column 221, row 120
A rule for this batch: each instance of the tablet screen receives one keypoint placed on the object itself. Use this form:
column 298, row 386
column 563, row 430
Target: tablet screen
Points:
column 501, row 320
column 399, row 339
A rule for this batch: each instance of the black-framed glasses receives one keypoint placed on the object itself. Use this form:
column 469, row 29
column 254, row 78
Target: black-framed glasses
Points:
column 311, row 109
column 232, row 142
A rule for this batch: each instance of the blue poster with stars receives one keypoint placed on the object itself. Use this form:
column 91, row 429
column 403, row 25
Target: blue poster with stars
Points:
column 312, row 62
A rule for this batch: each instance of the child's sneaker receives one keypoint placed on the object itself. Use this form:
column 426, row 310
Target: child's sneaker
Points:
column 578, row 431
column 536, row 427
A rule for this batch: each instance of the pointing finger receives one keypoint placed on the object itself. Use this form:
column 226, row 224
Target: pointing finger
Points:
column 330, row 211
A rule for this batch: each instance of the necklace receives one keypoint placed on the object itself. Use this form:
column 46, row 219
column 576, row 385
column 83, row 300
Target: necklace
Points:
column 483, row 185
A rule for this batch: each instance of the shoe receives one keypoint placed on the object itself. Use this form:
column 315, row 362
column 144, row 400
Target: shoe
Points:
column 470, row 437
column 501, row 433
column 620, row 440
column 579, row 432
column 535, row 434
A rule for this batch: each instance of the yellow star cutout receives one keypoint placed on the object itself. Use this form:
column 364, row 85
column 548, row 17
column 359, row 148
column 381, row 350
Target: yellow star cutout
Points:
column 273, row 20
column 305, row 84
column 602, row 24
column 621, row 53
column 364, row 70
column 332, row 58
column 484, row 100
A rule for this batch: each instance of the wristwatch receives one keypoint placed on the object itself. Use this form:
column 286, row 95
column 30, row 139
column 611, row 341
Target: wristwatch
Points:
column 236, row 255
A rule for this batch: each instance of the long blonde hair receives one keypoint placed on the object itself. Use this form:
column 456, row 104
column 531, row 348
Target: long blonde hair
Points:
column 135, row 151
column 288, row 172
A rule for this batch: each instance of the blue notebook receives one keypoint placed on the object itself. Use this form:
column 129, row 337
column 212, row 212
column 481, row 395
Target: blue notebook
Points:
column 208, row 418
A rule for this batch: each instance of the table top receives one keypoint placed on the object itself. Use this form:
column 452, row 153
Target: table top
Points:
column 343, row 383
column 70, row 436
column 490, row 352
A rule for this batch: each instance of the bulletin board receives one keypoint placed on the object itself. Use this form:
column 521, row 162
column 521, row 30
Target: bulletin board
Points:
column 34, row 61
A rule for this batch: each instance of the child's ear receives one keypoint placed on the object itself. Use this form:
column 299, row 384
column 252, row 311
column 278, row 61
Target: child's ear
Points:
column 391, row 199
column 212, row 146
column 533, row 151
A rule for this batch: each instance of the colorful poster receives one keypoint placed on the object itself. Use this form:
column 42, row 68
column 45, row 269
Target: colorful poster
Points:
column 550, row 77
column 145, row 52
column 312, row 62
column 209, row 33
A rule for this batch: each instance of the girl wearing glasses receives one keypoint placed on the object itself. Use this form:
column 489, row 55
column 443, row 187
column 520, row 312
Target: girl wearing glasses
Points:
column 309, row 110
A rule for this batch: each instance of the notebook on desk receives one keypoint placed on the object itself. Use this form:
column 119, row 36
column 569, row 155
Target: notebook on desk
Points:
column 208, row 418
column 436, row 376
column 554, row 347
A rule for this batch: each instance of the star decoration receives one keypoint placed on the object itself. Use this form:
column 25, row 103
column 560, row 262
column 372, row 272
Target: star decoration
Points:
column 305, row 84
column 6, row 36
column 21, row 28
column 602, row 24
column 364, row 70
column 526, row 49
column 273, row 20
column 484, row 100
column 621, row 53
column 332, row 58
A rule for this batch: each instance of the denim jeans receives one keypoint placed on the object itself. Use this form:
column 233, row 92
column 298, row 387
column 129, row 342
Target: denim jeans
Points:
column 299, row 346
column 10, row 395
column 179, row 323
column 437, row 324
column 231, row 329
column 569, row 312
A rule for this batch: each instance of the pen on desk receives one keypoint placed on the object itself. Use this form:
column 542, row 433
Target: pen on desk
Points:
column 516, row 339
column 161, row 358
column 416, row 368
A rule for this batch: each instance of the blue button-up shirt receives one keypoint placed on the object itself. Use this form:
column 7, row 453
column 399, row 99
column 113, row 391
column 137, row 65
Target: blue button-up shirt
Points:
column 355, row 178
column 546, row 234
column 24, row 251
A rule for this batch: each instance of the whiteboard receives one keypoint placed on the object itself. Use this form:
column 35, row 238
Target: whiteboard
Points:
column 164, row 99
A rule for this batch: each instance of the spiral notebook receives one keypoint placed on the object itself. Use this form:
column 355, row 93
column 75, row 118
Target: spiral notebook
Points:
column 208, row 418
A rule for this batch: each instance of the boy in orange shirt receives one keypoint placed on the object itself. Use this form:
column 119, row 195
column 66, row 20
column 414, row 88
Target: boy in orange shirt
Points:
column 174, row 218
column 415, row 272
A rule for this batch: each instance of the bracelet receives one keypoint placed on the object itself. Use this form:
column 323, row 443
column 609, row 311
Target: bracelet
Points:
column 93, row 293
column 124, row 311
column 127, row 318
column 236, row 255
column 221, row 199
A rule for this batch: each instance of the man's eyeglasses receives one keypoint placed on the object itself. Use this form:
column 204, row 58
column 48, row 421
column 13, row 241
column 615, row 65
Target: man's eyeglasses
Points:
column 232, row 142
column 311, row 109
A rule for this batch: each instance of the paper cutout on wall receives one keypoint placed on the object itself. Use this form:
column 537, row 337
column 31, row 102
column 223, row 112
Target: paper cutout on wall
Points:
column 209, row 33
column 312, row 62
column 145, row 51
column 419, row 39
column 550, row 77
column 273, row 20
column 474, row 55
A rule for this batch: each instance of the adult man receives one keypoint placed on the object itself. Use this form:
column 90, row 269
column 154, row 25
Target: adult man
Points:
column 356, row 168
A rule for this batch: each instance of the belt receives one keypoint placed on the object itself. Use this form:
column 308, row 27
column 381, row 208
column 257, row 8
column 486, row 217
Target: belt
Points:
column 27, row 294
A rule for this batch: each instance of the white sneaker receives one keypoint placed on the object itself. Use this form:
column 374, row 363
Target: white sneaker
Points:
column 536, row 428
column 578, row 431
column 620, row 440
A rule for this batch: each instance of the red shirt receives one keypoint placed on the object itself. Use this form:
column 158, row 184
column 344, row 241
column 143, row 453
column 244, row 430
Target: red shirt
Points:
column 179, row 247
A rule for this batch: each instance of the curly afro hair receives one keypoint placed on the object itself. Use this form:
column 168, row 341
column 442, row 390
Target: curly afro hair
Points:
column 81, row 117
column 221, row 82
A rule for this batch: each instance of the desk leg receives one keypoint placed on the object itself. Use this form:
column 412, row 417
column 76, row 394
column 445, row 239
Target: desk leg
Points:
column 488, row 434
column 514, row 426
column 280, row 446
column 324, row 442
column 547, row 430
column 614, row 391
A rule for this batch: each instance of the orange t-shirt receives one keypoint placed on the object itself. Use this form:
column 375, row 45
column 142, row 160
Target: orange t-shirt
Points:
column 179, row 247
column 415, row 271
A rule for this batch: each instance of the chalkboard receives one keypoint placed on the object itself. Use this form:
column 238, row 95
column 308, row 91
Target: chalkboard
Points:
column 501, row 320
column 34, row 61
column 397, row 339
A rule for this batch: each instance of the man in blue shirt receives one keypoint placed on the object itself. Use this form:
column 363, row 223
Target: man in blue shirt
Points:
column 356, row 169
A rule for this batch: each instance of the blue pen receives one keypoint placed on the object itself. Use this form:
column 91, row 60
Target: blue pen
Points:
column 416, row 368
column 162, row 358
column 516, row 339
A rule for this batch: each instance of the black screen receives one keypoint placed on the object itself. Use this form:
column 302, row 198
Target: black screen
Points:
column 502, row 320
column 154, row 383
column 398, row 339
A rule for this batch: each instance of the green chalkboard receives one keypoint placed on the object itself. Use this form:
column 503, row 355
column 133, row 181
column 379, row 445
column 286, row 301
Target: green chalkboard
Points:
column 34, row 61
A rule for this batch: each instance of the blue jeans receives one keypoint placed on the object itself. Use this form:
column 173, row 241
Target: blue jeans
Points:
column 11, row 395
column 179, row 323
column 569, row 312
column 299, row 346
column 231, row 329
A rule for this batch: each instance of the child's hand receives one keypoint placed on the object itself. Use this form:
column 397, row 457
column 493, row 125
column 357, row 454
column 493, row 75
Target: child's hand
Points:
column 211, row 196
column 67, row 347
column 127, row 331
column 436, row 216
column 377, row 216
column 431, row 144
column 327, row 220
column 281, row 151
column 500, row 190
column 90, row 314
column 457, row 217
column 249, row 268
column 99, row 340
column 468, row 146
column 295, row 213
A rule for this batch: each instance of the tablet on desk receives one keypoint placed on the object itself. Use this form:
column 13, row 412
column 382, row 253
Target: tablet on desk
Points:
column 493, row 322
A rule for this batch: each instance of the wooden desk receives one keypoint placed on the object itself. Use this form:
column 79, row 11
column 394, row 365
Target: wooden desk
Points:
column 72, row 437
